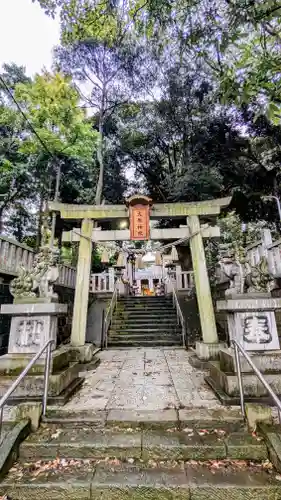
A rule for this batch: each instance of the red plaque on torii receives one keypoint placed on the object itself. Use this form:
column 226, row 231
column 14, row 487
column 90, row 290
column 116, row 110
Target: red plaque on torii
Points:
column 139, row 211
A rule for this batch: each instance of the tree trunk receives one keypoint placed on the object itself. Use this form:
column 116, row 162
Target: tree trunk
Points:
column 98, row 197
column 40, row 220
column 99, row 189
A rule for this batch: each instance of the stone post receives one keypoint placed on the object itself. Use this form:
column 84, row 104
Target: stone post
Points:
column 178, row 277
column 203, row 290
column 111, row 278
column 79, row 322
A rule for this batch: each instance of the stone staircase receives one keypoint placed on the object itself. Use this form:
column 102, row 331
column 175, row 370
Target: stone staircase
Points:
column 144, row 322
column 166, row 454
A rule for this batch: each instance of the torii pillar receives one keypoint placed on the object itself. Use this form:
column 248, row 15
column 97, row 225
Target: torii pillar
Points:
column 209, row 348
column 80, row 310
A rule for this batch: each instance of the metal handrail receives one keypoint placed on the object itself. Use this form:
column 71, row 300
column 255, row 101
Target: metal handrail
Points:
column 109, row 314
column 15, row 384
column 237, row 350
column 180, row 317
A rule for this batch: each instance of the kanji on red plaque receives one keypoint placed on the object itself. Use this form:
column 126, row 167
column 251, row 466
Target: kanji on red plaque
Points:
column 139, row 223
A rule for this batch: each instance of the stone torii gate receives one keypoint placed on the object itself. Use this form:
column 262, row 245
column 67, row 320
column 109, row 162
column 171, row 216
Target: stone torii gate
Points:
column 91, row 215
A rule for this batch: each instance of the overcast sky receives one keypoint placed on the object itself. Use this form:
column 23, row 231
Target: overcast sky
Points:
column 27, row 35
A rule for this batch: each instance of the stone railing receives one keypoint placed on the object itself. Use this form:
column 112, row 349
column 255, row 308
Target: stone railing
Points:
column 255, row 252
column 184, row 280
column 268, row 249
column 274, row 258
column 67, row 276
column 102, row 283
column 14, row 254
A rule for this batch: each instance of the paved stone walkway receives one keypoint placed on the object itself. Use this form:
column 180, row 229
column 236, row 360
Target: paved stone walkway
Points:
column 144, row 379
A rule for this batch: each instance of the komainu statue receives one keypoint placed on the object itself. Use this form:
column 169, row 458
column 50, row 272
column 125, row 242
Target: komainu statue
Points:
column 242, row 277
column 258, row 278
column 230, row 270
column 39, row 280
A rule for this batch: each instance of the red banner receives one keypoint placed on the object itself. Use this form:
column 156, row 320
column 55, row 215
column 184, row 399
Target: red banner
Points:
column 139, row 222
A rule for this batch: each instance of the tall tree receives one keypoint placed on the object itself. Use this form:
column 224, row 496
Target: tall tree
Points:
column 51, row 105
column 15, row 179
column 104, row 81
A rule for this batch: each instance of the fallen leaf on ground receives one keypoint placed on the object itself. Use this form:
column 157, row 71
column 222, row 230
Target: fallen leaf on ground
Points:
column 220, row 432
column 56, row 434
column 267, row 465
column 202, row 432
column 192, row 462
column 114, row 461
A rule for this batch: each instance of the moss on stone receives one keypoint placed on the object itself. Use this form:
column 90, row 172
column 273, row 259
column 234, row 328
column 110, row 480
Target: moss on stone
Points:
column 140, row 493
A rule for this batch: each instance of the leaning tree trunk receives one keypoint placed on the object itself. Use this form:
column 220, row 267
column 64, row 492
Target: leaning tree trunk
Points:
column 40, row 221
column 100, row 152
column 99, row 189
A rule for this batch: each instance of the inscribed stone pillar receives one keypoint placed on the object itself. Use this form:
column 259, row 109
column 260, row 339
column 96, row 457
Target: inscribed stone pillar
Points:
column 79, row 322
column 202, row 284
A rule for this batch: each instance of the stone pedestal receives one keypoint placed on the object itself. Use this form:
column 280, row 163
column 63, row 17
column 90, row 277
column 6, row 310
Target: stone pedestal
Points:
column 33, row 324
column 207, row 352
column 251, row 321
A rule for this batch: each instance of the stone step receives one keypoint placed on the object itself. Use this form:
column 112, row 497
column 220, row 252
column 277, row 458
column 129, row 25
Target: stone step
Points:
column 228, row 382
column 113, row 335
column 167, row 315
column 171, row 318
column 87, row 442
column 200, row 418
column 145, row 304
column 150, row 329
column 154, row 302
column 143, row 338
column 144, row 343
column 61, row 479
column 148, row 311
column 145, row 298
column 143, row 319
column 150, row 419
column 144, row 325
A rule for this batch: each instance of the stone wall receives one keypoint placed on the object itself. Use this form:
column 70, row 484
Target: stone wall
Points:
column 95, row 315
column 218, row 293
column 190, row 311
column 66, row 296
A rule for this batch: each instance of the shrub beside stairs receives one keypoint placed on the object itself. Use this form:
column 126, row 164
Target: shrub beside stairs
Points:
column 144, row 322
column 129, row 455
